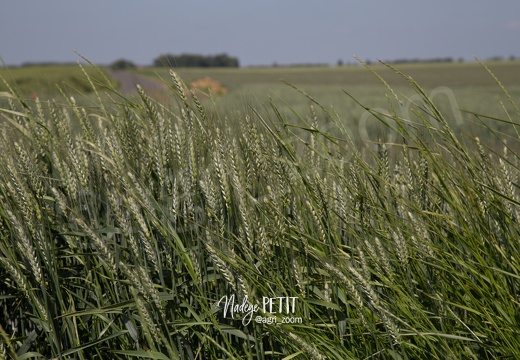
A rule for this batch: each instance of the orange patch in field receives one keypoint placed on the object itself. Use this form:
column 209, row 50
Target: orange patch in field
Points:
column 208, row 86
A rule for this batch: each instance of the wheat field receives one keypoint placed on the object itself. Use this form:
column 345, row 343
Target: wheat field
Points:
column 123, row 226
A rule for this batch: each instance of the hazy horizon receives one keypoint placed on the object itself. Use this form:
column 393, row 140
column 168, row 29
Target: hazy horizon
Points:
column 260, row 33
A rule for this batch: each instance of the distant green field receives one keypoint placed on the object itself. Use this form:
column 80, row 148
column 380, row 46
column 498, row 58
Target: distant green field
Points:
column 428, row 75
column 34, row 79
column 244, row 83
column 470, row 82
column 454, row 87
column 44, row 81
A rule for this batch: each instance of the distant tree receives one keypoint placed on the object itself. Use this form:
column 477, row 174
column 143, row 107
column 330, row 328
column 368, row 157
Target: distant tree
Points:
column 196, row 60
column 223, row 60
column 122, row 64
column 166, row 60
column 339, row 63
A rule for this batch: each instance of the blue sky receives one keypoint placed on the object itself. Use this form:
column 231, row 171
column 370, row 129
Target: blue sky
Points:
column 257, row 32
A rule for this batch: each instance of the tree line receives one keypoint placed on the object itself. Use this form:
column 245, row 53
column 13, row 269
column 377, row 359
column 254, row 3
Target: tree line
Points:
column 196, row 60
